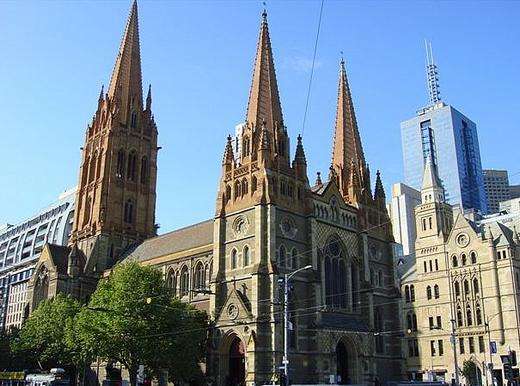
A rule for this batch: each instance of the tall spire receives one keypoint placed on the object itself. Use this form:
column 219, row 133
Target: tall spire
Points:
column 126, row 82
column 379, row 191
column 347, row 142
column 264, row 100
column 432, row 76
column 432, row 190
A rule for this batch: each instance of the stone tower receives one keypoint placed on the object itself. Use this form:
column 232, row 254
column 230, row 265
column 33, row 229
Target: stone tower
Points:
column 117, row 176
column 434, row 217
column 258, row 189
column 115, row 201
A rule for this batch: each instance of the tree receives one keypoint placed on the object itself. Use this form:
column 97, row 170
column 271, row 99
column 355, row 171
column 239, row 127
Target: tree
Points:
column 133, row 319
column 470, row 372
column 46, row 333
column 10, row 360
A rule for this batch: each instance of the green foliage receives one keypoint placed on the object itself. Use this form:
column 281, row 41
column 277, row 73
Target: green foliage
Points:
column 469, row 371
column 120, row 324
column 45, row 334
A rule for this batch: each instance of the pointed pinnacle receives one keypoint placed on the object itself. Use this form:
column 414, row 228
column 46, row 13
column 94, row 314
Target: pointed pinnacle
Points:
column 102, row 92
column 318, row 179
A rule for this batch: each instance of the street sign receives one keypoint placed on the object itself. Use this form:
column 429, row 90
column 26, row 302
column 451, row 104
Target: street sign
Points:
column 493, row 347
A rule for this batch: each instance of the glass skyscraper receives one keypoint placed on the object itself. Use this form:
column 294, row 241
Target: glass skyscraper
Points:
column 451, row 139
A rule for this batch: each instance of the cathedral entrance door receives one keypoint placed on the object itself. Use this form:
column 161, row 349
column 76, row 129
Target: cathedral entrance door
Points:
column 237, row 363
column 342, row 363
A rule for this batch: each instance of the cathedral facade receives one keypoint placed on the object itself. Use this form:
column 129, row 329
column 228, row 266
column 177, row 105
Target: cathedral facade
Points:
column 269, row 222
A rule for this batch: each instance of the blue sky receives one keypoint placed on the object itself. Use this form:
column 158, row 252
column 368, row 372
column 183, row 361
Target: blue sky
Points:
column 198, row 56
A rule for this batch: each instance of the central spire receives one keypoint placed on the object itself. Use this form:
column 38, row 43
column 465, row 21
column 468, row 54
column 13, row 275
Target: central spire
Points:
column 126, row 82
column 264, row 100
column 347, row 146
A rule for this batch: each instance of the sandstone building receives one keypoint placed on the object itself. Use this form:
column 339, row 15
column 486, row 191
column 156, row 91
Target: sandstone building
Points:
column 269, row 220
column 465, row 272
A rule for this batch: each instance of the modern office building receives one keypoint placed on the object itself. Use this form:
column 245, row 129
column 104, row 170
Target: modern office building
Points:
column 451, row 139
column 514, row 191
column 401, row 211
column 20, row 248
column 496, row 185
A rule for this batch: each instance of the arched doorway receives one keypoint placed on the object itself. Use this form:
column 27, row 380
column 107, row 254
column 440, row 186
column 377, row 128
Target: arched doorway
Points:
column 346, row 362
column 342, row 363
column 237, row 363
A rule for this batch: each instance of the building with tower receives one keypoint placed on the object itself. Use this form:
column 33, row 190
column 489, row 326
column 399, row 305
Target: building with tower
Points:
column 115, row 200
column 269, row 221
column 463, row 283
column 450, row 138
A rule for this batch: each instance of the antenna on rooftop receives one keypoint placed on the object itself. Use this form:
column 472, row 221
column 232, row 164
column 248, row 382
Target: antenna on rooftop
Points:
column 432, row 75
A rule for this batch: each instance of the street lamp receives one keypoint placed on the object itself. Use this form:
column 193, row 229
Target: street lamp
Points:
column 285, row 360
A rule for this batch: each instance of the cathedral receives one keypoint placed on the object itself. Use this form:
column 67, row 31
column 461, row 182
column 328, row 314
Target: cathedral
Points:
column 269, row 222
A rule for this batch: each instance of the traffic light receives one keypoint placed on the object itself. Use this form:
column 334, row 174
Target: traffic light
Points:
column 508, row 371
column 512, row 355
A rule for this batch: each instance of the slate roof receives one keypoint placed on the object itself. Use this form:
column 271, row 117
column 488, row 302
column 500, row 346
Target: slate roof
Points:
column 192, row 236
column 59, row 255
column 319, row 189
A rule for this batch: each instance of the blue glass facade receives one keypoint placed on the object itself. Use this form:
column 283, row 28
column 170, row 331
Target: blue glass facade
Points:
column 451, row 139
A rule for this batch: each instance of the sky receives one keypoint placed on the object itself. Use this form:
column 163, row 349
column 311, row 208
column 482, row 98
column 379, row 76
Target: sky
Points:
column 198, row 56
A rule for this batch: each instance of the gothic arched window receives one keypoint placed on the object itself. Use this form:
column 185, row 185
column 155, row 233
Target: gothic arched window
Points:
column 454, row 261
column 478, row 316
column 133, row 120
column 412, row 293
column 185, row 282
column 282, row 256
column 463, row 258
column 475, row 285
column 429, row 292
column 131, row 167
column 144, row 170
column 254, row 183
column 92, row 168
column 171, row 282
column 469, row 317
column 120, row 169
column 245, row 145
column 407, row 294
column 457, row 288
column 473, row 257
column 459, row 317
column 200, row 280
column 436, row 293
column 237, row 189
column 246, row 256
column 234, row 259
column 466, row 288
column 228, row 193
column 128, row 215
column 244, row 186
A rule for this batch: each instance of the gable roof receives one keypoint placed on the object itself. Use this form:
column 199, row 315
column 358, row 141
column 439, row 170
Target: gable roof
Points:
column 179, row 240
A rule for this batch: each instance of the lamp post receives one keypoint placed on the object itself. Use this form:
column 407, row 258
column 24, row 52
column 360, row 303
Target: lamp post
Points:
column 285, row 360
